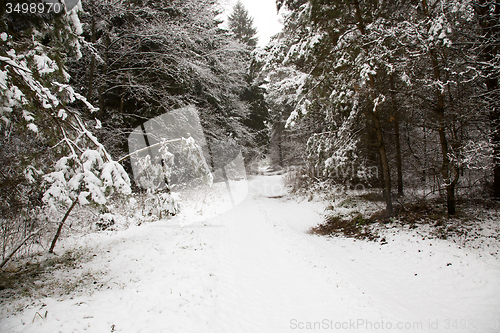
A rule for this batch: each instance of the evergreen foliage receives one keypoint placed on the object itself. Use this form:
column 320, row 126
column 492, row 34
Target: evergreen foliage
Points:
column 241, row 25
column 397, row 87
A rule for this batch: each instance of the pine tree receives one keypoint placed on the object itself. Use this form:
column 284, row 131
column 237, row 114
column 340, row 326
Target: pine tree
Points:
column 241, row 25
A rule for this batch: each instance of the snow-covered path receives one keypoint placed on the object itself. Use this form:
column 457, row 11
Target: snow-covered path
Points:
column 254, row 269
column 265, row 285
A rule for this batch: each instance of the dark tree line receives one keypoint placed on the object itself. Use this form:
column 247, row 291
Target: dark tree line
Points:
column 145, row 58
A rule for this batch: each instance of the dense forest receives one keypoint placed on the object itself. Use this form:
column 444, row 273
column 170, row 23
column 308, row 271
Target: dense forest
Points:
column 400, row 97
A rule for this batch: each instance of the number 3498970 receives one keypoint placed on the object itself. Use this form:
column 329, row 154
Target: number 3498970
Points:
column 33, row 8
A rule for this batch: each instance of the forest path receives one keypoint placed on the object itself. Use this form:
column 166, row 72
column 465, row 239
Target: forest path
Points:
column 265, row 284
column 274, row 277
column 255, row 269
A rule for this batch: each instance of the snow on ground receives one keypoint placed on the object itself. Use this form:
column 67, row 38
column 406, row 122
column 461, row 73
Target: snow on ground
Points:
column 253, row 268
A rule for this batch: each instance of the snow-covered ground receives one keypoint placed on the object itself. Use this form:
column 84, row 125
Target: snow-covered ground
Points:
column 254, row 269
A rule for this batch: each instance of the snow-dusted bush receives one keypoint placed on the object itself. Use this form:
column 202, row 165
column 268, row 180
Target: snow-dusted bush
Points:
column 86, row 178
column 195, row 156
column 153, row 172
column 160, row 205
column 105, row 221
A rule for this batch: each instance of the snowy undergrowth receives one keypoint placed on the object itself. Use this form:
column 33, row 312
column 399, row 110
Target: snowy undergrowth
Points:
column 115, row 266
column 254, row 268
column 362, row 216
column 40, row 274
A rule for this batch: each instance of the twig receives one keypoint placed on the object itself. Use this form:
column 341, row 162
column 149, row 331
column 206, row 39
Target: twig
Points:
column 146, row 148
column 19, row 246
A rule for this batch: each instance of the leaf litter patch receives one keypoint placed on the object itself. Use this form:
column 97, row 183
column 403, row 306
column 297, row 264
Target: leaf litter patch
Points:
column 469, row 228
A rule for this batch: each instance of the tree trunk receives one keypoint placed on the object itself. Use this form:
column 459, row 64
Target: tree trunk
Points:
column 102, row 102
column 92, row 66
column 496, row 162
column 446, row 166
column 488, row 21
column 396, row 137
column 378, row 128
column 359, row 17
column 58, row 233
column 385, row 163
column 280, row 139
column 439, row 111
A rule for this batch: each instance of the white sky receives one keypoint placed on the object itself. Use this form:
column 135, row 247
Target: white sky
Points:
column 265, row 18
